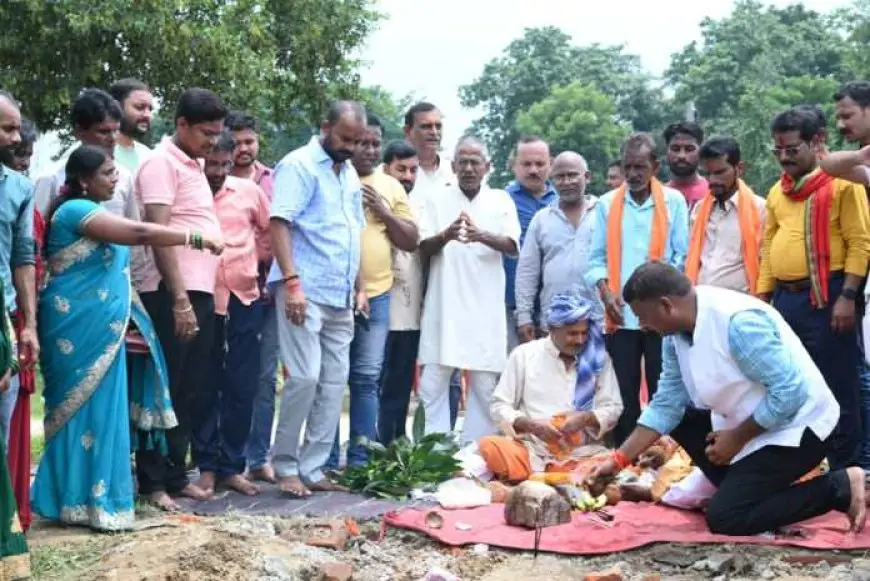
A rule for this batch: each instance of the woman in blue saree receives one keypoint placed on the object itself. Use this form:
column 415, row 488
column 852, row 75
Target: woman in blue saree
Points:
column 84, row 476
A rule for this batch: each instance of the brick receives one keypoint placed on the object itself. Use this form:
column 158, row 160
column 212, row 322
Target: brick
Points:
column 336, row 572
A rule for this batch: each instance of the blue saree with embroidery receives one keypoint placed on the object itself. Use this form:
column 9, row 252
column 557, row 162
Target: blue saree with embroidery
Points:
column 84, row 476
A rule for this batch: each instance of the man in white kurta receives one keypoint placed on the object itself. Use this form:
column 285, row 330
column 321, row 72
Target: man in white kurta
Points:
column 465, row 230
column 742, row 396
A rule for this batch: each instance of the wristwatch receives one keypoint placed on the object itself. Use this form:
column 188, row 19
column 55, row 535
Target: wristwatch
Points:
column 849, row 294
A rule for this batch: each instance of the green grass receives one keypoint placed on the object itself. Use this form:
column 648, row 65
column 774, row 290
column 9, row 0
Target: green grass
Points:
column 37, row 414
column 66, row 561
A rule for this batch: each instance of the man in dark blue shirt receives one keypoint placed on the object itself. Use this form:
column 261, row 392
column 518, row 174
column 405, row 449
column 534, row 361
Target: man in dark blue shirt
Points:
column 531, row 191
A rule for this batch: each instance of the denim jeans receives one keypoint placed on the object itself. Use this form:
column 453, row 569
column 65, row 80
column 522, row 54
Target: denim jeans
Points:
column 317, row 356
column 366, row 361
column 455, row 397
column 397, row 381
column 260, row 438
column 218, row 444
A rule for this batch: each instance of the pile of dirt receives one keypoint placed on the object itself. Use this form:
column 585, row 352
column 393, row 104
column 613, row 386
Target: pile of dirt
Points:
column 235, row 548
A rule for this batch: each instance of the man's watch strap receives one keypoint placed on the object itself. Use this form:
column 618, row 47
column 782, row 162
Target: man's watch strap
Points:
column 849, row 293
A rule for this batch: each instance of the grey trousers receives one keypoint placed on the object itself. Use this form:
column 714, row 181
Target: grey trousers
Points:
column 317, row 357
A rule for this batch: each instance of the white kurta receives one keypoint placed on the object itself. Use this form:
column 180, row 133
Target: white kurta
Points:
column 463, row 323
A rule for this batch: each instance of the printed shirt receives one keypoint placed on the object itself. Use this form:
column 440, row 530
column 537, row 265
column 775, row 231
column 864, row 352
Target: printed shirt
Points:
column 377, row 250
column 527, row 206
column 243, row 212
column 784, row 255
column 324, row 214
column 554, row 259
column 17, row 247
column 636, row 234
column 169, row 177
column 758, row 351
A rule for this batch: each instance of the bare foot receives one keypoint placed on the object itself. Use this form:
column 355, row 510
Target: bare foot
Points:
column 163, row 501
column 239, row 483
column 264, row 473
column 195, row 492
column 858, row 506
column 292, row 486
column 206, row 482
column 326, row 486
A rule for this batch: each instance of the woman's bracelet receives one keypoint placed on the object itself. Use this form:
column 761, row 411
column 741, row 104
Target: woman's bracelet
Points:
column 186, row 309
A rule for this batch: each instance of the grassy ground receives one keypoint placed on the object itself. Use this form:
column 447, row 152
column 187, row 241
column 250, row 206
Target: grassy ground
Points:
column 37, row 413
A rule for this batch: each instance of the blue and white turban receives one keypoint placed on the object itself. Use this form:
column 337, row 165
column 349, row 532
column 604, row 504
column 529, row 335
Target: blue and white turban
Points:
column 568, row 309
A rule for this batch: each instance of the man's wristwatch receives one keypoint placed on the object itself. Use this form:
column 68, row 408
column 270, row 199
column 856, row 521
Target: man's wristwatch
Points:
column 849, row 294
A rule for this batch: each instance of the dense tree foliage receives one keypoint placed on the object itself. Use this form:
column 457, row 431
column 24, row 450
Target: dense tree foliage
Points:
column 747, row 66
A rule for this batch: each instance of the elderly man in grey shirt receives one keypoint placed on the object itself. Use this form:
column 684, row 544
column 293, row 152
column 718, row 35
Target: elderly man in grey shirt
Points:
column 554, row 256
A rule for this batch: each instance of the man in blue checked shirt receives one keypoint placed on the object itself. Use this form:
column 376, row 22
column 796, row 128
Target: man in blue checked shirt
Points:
column 742, row 396
column 316, row 222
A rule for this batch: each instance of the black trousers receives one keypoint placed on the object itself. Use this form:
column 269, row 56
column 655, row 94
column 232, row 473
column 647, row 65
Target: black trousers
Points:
column 627, row 347
column 188, row 365
column 756, row 494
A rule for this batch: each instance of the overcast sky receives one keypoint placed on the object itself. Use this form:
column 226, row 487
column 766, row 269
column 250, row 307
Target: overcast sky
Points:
column 431, row 48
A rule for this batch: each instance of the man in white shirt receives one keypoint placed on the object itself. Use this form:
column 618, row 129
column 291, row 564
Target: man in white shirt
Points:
column 557, row 398
column 742, row 396
column 137, row 104
column 465, row 231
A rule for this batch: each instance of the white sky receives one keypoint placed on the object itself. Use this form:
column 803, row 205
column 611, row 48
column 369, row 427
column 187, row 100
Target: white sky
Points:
column 430, row 48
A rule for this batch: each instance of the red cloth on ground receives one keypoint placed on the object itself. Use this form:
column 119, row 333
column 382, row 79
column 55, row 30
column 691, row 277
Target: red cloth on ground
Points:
column 634, row 525
column 18, row 454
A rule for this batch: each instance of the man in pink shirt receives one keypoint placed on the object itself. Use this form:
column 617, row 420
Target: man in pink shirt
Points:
column 173, row 191
column 243, row 212
column 246, row 134
column 683, row 142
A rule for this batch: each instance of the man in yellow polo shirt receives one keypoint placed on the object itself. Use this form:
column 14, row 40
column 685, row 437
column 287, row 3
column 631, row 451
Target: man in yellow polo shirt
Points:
column 816, row 248
column 389, row 224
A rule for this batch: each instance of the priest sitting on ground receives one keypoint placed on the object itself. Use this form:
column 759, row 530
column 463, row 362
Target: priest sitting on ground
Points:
column 556, row 399
column 741, row 395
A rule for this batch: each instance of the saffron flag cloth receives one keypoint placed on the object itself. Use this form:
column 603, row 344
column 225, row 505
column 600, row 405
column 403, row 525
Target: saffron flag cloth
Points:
column 750, row 223
column 657, row 242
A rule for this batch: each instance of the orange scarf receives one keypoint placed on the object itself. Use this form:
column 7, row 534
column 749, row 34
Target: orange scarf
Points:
column 817, row 190
column 614, row 235
column 747, row 216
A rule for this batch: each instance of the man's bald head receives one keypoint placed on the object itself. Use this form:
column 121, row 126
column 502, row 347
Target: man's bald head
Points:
column 342, row 129
column 10, row 122
column 570, row 175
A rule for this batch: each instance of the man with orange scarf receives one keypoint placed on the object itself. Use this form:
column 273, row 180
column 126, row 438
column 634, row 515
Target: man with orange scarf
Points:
column 639, row 221
column 816, row 249
column 727, row 224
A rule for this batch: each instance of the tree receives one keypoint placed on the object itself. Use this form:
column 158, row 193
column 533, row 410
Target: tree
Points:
column 544, row 58
column 577, row 117
column 277, row 58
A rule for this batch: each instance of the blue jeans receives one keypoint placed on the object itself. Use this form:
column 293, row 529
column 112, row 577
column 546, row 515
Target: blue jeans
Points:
column 260, row 438
column 218, row 444
column 837, row 357
column 455, row 397
column 366, row 360
column 8, row 401
column 397, row 380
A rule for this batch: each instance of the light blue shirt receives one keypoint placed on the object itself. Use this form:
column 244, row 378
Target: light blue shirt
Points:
column 636, row 234
column 758, row 350
column 17, row 247
column 325, row 216
column 527, row 207
column 554, row 259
